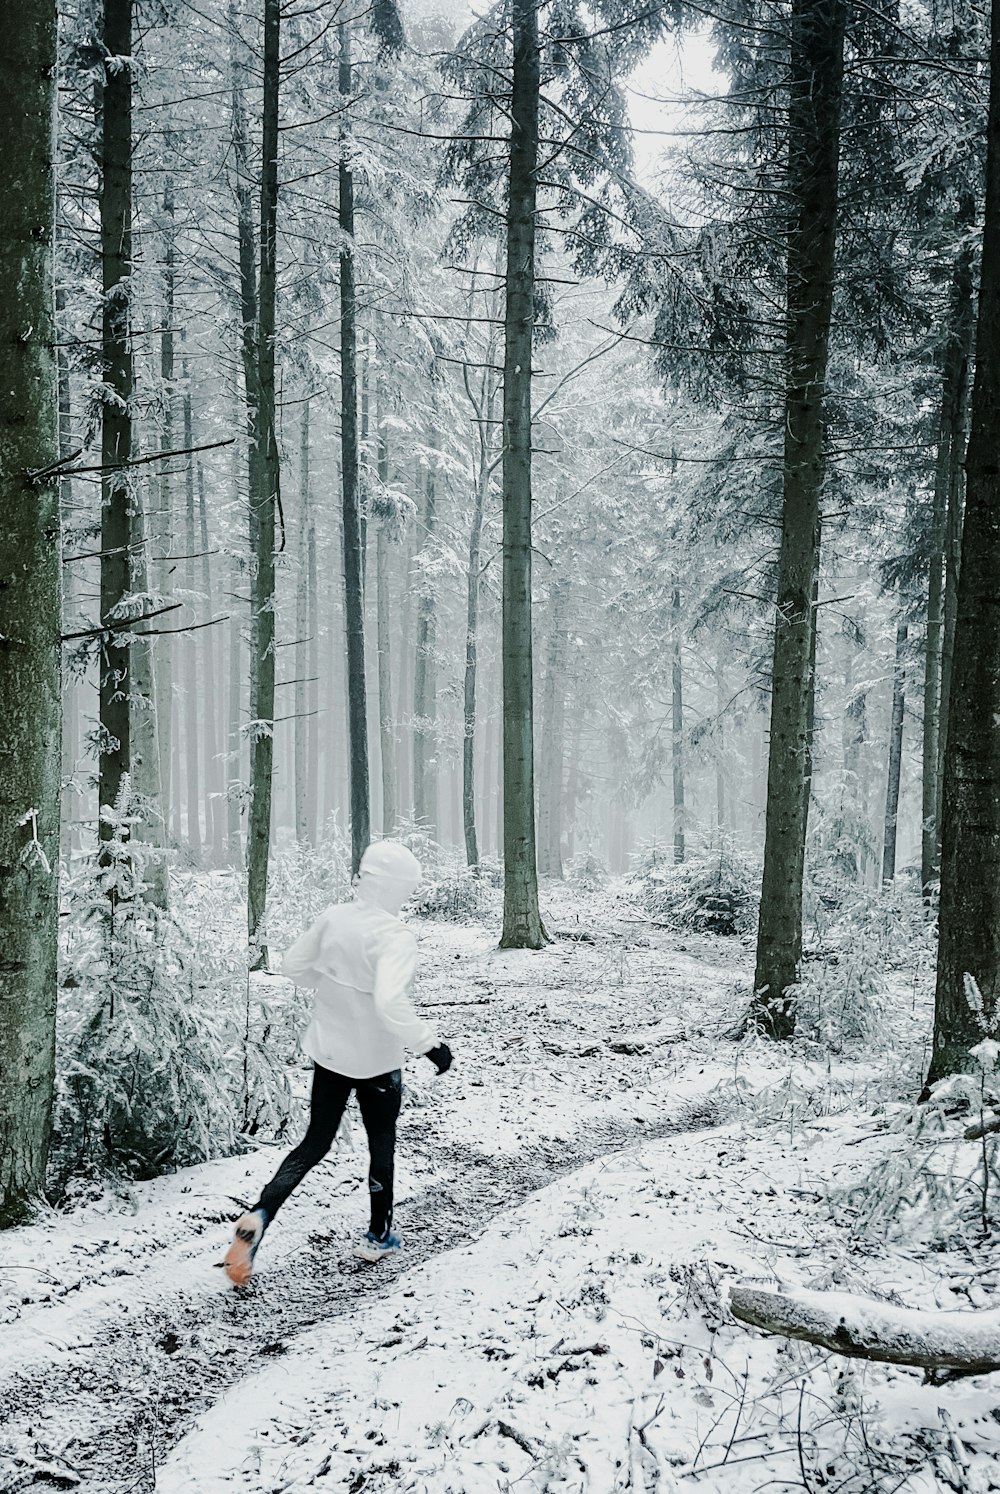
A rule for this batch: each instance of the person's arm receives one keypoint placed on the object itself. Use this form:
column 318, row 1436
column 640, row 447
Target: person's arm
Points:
column 395, row 964
column 299, row 962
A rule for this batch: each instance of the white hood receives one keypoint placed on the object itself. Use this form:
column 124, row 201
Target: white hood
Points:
column 389, row 874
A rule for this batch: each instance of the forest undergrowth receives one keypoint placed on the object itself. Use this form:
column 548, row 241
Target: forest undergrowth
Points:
column 629, row 1026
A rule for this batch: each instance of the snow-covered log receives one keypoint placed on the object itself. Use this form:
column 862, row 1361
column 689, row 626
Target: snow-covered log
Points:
column 964, row 1343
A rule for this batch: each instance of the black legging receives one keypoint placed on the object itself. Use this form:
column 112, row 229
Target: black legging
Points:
column 379, row 1099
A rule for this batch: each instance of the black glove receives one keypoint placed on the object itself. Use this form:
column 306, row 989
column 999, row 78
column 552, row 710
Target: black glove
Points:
column 440, row 1057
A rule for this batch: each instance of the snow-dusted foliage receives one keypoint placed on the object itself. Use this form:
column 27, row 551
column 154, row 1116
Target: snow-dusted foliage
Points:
column 162, row 1053
column 716, row 892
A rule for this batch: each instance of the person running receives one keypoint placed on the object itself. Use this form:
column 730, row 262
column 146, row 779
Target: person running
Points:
column 360, row 959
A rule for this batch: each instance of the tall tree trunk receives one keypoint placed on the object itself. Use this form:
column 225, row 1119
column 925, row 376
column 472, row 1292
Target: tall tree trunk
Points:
column 212, row 668
column 677, row 722
column 71, row 797
column 193, row 699
column 386, row 725
column 720, row 748
column 895, row 755
column 29, row 608
column 425, row 756
column 312, row 694
column 234, row 737
column 522, row 924
column 816, row 86
column 963, row 330
column 472, row 657
column 146, row 768
column 264, row 498
column 162, row 528
column 116, row 409
column 550, row 778
column 302, row 644
column 354, row 606
column 946, row 527
column 969, row 942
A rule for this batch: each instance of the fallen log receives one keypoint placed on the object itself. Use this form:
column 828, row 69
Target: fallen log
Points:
column 958, row 1343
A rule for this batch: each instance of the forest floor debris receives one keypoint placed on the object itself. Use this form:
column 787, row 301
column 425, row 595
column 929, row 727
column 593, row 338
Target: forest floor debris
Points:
column 575, row 1197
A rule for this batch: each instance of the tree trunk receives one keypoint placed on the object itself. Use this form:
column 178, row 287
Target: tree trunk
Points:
column 942, row 586
column 71, row 796
column 969, row 918
column 193, row 699
column 354, row 607
column 895, row 756
column 30, row 685
column 425, row 765
column 386, row 725
column 960, row 355
column 677, row 722
column 550, row 787
column 116, row 409
column 264, row 494
column 302, row 644
column 522, row 924
column 162, row 528
column 146, row 767
column 215, row 784
column 234, row 737
column 816, row 85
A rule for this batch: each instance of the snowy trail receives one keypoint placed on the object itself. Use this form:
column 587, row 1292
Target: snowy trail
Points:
column 614, row 1052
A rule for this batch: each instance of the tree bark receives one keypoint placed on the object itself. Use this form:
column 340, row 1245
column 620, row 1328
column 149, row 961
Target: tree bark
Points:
column 215, row 778
column 677, row 721
column 965, row 1343
column 425, row 765
column 146, row 767
column 522, row 924
column 946, row 522
column 264, row 497
column 303, row 641
column 162, row 529
column 354, row 607
column 895, row 756
column 816, row 86
column 71, row 807
column 550, row 789
column 116, row 409
column 969, row 918
column 383, row 582
column 30, row 684
column 193, row 699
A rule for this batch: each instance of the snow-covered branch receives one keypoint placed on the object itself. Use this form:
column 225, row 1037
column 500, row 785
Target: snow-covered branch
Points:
column 963, row 1343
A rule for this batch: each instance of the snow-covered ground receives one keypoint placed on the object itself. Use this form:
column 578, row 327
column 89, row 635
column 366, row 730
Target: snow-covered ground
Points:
column 576, row 1196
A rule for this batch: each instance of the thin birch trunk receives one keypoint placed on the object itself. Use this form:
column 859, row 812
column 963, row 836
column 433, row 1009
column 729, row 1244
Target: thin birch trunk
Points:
column 895, row 756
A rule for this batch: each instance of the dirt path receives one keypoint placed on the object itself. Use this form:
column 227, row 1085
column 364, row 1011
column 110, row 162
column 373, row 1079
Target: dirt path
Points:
column 550, row 1078
column 133, row 1391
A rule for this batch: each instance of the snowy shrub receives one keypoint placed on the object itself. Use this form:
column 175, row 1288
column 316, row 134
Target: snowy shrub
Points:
column 456, row 895
column 162, row 1059
column 941, row 1181
column 302, row 881
column 717, row 892
column 587, row 872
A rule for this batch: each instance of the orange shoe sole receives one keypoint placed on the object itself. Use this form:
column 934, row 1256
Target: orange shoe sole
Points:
column 238, row 1263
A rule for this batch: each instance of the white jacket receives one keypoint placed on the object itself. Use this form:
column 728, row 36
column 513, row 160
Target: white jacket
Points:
column 360, row 959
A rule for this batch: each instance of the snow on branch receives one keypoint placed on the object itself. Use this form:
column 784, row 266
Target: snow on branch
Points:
column 961, row 1343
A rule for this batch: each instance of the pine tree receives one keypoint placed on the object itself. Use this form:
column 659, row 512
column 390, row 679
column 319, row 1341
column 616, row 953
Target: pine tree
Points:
column 969, row 942
column 817, row 70
column 29, row 608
